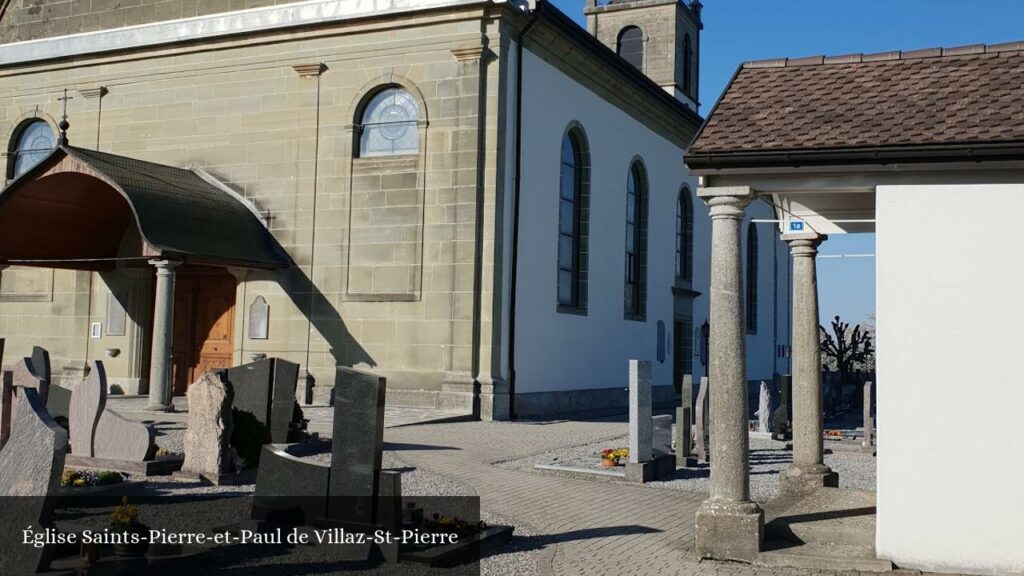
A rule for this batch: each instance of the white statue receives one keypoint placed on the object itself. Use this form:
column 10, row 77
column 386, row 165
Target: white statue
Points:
column 764, row 409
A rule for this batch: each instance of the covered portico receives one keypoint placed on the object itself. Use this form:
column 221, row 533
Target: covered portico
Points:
column 85, row 210
column 908, row 146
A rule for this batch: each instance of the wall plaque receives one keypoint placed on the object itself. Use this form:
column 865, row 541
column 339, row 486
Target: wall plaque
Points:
column 116, row 316
column 259, row 319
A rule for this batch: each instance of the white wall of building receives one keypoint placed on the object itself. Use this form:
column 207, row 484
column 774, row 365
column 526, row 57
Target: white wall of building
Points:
column 950, row 392
column 556, row 351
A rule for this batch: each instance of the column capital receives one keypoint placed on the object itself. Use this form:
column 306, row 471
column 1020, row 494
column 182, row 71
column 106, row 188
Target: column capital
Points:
column 804, row 243
column 727, row 201
column 162, row 265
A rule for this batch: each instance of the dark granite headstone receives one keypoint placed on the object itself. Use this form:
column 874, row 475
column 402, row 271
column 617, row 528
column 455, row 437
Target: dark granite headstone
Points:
column 356, row 448
column 782, row 428
column 6, row 405
column 266, row 389
column 30, row 466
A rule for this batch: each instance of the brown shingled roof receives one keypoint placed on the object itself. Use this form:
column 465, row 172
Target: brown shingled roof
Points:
column 967, row 95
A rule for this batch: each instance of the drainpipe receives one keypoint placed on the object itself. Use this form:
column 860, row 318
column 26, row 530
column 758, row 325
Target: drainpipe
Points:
column 515, row 216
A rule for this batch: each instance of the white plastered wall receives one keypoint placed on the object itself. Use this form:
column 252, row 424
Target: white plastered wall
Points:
column 950, row 391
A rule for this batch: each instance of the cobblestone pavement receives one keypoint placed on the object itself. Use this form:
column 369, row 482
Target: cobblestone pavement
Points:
column 581, row 527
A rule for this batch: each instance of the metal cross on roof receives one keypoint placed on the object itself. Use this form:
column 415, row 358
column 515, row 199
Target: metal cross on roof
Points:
column 64, row 124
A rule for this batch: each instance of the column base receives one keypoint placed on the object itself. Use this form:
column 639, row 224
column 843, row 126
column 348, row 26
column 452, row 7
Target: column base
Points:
column 160, row 408
column 798, row 480
column 729, row 530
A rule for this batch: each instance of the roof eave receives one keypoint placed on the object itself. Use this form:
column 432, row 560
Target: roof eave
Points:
column 870, row 155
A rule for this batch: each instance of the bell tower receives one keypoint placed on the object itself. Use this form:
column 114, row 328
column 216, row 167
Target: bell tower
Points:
column 660, row 37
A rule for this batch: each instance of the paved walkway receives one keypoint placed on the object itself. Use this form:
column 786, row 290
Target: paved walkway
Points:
column 584, row 527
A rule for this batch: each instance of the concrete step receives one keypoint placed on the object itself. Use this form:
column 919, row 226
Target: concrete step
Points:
column 830, row 517
column 824, row 557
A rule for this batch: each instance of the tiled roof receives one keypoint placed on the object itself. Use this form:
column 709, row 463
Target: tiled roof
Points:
column 966, row 95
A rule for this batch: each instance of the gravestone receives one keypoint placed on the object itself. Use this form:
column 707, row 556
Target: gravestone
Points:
column 352, row 489
column 684, row 426
column 764, row 409
column 640, row 425
column 700, row 434
column 357, row 446
column 208, row 451
column 30, row 467
column 97, row 432
column 867, row 445
column 782, row 427
column 26, row 375
column 266, row 389
column 661, row 435
column 6, row 405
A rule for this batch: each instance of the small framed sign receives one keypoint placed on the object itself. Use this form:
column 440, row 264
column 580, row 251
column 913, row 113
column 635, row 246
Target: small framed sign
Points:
column 96, row 330
column 796, row 226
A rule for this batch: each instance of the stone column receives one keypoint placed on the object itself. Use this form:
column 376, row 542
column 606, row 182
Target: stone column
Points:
column 808, row 472
column 729, row 525
column 163, row 337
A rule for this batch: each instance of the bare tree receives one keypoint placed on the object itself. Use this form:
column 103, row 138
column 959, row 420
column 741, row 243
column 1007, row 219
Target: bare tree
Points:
column 847, row 349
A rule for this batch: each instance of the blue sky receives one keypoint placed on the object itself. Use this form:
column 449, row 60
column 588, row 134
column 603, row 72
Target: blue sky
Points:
column 740, row 30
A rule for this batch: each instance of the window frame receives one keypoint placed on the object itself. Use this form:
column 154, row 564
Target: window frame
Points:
column 687, row 65
column 641, row 41
column 751, row 278
column 635, row 265
column 14, row 149
column 684, row 236
column 366, row 108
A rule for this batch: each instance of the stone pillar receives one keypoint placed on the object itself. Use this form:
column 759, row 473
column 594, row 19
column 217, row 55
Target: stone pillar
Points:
column 808, row 472
column 163, row 337
column 729, row 526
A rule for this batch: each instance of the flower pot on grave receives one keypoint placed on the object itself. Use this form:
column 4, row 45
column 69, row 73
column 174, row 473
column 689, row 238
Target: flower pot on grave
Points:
column 609, row 463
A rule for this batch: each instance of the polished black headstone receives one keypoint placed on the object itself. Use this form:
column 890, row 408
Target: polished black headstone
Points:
column 356, row 446
column 266, row 389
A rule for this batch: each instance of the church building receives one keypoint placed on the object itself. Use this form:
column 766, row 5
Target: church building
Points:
column 480, row 200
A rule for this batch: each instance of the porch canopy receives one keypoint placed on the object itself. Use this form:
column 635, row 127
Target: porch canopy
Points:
column 821, row 139
column 84, row 209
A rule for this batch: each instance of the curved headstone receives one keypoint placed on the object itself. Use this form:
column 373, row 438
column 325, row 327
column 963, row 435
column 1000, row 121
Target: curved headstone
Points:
column 30, row 469
column 87, row 405
column 118, row 438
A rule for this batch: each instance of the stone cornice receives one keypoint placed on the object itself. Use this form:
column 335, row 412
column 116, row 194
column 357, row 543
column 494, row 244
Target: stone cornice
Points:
column 205, row 28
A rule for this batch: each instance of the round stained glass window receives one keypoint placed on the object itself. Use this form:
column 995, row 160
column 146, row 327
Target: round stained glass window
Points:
column 35, row 142
column 389, row 124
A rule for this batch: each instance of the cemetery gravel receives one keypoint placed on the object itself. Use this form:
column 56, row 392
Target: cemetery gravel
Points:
column 767, row 459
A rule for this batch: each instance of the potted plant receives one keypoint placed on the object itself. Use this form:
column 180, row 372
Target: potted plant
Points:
column 124, row 520
column 610, row 456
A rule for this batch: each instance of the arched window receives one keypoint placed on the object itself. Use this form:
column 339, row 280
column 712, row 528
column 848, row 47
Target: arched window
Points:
column 388, row 126
column 636, row 241
column 573, row 197
column 30, row 144
column 687, row 64
column 684, row 236
column 631, row 46
column 751, row 303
